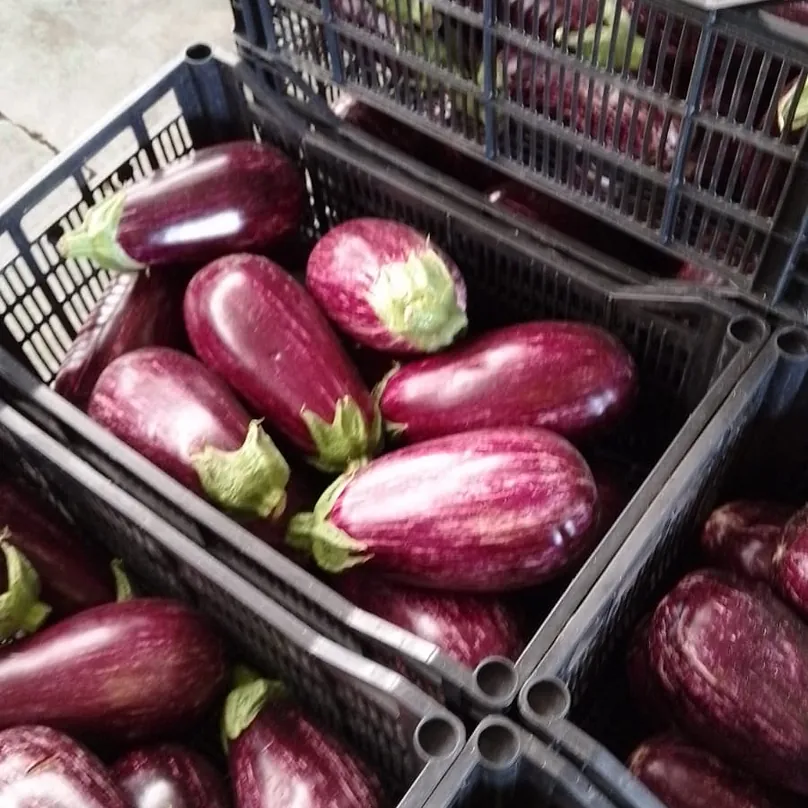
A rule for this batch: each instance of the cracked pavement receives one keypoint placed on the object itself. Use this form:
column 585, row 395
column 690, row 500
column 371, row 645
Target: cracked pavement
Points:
column 66, row 63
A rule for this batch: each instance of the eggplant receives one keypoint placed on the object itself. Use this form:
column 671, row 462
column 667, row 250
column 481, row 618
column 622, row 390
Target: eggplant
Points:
column 693, row 273
column 175, row 412
column 387, row 287
column 742, row 536
column 646, row 693
column 41, row 768
column 279, row 759
column 234, row 196
column 72, row 578
column 468, row 628
column 135, row 310
column 485, row 511
column 684, row 776
column 572, row 378
column 169, row 776
column 790, row 562
column 258, row 328
column 794, row 11
column 119, row 672
column 732, row 660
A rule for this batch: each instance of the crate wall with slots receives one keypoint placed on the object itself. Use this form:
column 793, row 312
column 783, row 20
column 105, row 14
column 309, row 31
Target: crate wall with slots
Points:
column 690, row 350
column 659, row 117
column 754, row 449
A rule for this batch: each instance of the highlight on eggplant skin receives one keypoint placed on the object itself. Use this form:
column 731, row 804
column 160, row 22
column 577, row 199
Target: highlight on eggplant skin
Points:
column 234, row 196
column 790, row 562
column 119, row 672
column 181, row 416
column 134, row 311
column 486, row 511
column 685, row 776
column 387, row 286
column 42, row 767
column 746, row 706
column 259, row 329
column 573, row 378
column 277, row 756
column 169, row 776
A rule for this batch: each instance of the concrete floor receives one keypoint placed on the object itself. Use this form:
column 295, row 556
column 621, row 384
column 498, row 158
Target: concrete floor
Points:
column 67, row 62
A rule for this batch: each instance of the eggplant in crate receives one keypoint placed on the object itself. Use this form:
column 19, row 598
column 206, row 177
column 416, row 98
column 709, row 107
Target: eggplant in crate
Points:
column 689, row 622
column 689, row 350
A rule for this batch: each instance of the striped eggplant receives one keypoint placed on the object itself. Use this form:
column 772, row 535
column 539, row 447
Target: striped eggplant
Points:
column 684, row 776
column 118, row 672
column 169, row 776
column 386, row 286
column 175, row 412
column 486, row 511
column 279, row 759
column 467, row 627
column 134, row 311
column 41, row 768
column 258, row 328
column 234, row 196
column 743, row 536
column 790, row 563
column 572, row 378
column 732, row 660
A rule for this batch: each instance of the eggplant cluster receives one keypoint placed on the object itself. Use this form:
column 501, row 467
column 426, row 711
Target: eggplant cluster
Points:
column 259, row 399
column 720, row 667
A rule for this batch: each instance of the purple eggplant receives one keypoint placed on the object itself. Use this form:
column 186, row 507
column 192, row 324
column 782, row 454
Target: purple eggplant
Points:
column 693, row 273
column 280, row 759
column 485, row 511
column 235, row 196
column 135, row 311
column 467, row 627
column 742, row 536
column 71, row 577
column 732, row 660
column 684, row 776
column 386, row 286
column 41, row 768
column 572, row 378
column 120, row 671
column 169, row 776
column 794, row 11
column 175, row 412
column 258, row 328
column 790, row 563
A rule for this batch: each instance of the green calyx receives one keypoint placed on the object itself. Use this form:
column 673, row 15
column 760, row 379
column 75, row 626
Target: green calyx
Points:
column 406, row 11
column 245, row 702
column 347, row 439
column 784, row 105
column 250, row 480
column 123, row 586
column 417, row 301
column 333, row 549
column 628, row 50
column 96, row 237
column 21, row 611
column 391, row 428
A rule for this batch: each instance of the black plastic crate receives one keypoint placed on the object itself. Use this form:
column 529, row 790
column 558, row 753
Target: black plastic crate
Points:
column 408, row 737
column 691, row 349
column 683, row 160
column 755, row 447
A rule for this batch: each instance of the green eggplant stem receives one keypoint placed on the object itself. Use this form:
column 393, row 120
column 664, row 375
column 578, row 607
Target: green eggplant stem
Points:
column 21, row 611
column 245, row 702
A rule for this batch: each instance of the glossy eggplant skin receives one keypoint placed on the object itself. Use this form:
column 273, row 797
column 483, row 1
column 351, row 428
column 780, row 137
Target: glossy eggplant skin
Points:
column 254, row 325
column 72, row 577
column 685, row 776
column 790, row 564
column 485, row 511
column 135, row 310
column 574, row 379
column 41, row 768
column 169, row 776
column 468, row 628
column 743, row 537
column 234, row 196
column 732, row 660
column 120, row 672
column 282, row 760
